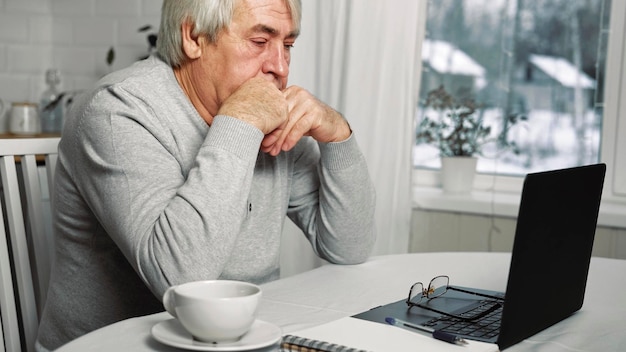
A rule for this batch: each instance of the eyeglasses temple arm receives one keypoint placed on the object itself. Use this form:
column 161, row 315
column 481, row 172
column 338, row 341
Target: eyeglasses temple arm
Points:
column 482, row 314
column 474, row 293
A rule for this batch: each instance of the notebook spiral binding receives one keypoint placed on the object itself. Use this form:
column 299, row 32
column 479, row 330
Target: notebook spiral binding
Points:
column 291, row 343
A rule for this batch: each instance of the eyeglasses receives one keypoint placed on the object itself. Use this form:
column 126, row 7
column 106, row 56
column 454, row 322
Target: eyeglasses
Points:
column 437, row 287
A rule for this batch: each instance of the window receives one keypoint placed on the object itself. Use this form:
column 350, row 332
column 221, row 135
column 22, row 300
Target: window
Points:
column 502, row 186
column 543, row 60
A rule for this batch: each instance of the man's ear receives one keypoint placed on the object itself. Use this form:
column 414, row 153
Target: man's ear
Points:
column 191, row 43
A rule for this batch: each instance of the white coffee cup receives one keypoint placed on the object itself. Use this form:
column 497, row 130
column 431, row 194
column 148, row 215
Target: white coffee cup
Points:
column 24, row 118
column 215, row 310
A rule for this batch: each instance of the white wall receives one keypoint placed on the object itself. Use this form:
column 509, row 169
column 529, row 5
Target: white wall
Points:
column 70, row 35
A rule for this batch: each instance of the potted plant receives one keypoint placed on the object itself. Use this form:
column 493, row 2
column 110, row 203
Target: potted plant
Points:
column 459, row 132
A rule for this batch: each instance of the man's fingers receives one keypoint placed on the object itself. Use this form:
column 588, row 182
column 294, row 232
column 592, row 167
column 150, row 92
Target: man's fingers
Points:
column 307, row 116
column 259, row 103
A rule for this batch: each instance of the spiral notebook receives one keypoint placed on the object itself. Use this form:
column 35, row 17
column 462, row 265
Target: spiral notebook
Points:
column 293, row 343
column 357, row 335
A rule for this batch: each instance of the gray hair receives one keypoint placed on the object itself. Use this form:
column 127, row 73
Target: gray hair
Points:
column 209, row 18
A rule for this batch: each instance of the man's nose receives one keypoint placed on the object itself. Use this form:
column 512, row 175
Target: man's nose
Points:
column 277, row 62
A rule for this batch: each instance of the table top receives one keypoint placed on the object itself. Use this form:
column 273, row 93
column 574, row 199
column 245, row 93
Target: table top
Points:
column 331, row 292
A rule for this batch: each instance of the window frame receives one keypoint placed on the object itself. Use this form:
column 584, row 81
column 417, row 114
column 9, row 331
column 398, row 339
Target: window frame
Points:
column 499, row 194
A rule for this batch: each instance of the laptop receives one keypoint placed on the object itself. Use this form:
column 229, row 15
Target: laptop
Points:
column 549, row 265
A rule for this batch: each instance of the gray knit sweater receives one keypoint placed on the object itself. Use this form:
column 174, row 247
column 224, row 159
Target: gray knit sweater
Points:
column 147, row 195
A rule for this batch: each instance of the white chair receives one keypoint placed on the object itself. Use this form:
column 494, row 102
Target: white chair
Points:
column 30, row 244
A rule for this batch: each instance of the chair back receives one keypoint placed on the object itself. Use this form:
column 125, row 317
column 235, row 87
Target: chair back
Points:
column 26, row 242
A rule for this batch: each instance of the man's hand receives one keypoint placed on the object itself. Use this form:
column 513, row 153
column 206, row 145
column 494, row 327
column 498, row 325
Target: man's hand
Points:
column 307, row 117
column 259, row 103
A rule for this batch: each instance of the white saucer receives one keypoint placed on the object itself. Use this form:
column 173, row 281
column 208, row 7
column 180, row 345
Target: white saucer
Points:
column 261, row 334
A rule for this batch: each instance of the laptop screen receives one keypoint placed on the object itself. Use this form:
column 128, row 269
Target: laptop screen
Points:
column 552, row 250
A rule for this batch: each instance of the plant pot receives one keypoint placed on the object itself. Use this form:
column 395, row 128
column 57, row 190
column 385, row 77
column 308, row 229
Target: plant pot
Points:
column 457, row 174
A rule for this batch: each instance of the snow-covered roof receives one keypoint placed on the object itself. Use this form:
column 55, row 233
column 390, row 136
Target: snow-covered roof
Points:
column 446, row 58
column 562, row 71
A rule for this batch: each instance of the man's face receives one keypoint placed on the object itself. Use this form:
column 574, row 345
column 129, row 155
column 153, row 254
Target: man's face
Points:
column 257, row 44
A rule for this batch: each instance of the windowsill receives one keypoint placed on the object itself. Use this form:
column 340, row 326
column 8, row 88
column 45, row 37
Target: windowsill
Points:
column 499, row 204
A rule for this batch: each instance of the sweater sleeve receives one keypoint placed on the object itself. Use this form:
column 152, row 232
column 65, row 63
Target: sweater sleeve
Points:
column 173, row 222
column 334, row 204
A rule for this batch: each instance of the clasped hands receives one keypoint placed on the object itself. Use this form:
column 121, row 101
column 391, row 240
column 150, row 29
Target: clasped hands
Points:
column 284, row 116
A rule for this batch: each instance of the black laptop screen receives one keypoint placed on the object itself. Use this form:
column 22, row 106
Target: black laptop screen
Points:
column 552, row 250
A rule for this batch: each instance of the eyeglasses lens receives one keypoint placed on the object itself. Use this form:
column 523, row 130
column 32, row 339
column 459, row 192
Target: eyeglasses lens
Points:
column 416, row 293
column 437, row 287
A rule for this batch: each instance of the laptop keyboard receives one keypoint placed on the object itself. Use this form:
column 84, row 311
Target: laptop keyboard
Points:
column 486, row 327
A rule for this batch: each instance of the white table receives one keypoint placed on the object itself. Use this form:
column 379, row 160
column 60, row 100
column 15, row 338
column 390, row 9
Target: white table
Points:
column 331, row 292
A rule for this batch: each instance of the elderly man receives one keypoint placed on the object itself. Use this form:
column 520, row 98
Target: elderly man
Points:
column 184, row 166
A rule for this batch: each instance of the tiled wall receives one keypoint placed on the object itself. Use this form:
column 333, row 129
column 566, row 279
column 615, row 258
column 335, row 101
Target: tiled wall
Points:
column 70, row 35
